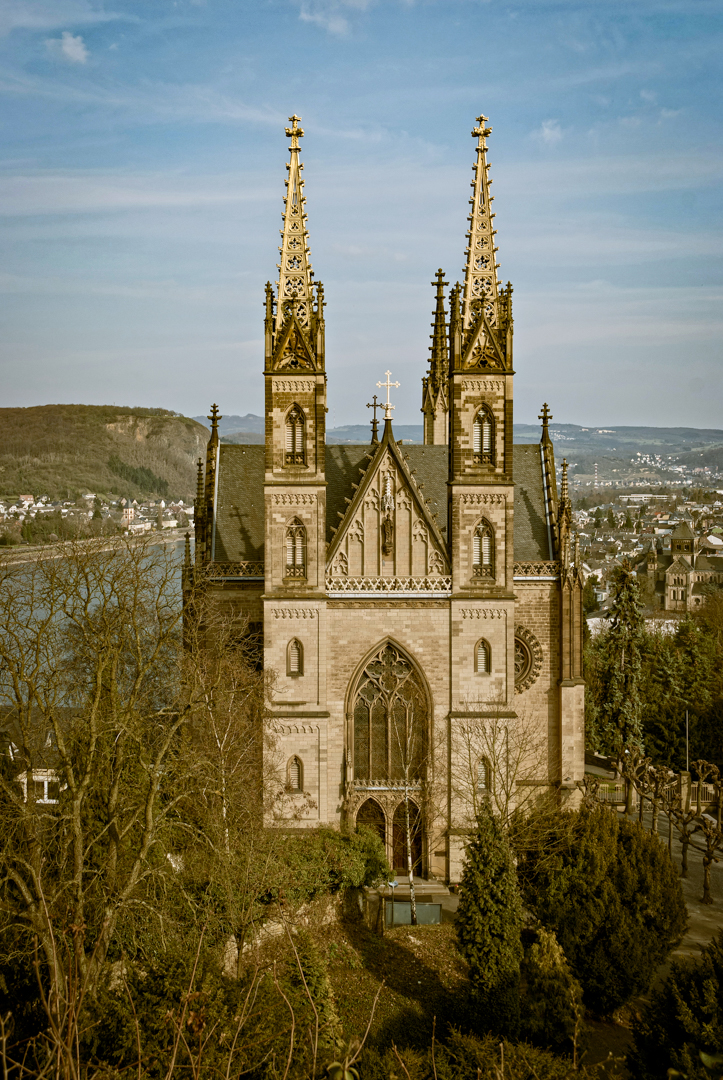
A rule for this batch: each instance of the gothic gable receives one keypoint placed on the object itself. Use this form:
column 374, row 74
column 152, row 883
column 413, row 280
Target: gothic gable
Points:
column 388, row 529
column 292, row 350
column 481, row 350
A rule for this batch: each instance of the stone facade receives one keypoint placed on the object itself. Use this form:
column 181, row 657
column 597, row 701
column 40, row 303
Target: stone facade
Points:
column 421, row 606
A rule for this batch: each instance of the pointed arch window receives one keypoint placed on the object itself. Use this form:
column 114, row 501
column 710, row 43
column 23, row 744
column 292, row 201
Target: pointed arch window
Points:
column 295, row 437
column 483, row 437
column 295, row 775
column 482, row 658
column 484, row 778
column 390, row 720
column 483, row 551
column 294, row 658
column 295, row 550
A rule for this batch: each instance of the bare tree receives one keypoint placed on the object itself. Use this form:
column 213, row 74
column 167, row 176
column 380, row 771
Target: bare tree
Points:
column 498, row 757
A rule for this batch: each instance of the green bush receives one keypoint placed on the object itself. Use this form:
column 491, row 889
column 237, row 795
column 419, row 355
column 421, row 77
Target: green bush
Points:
column 489, row 922
column 613, row 898
column 325, row 860
column 683, row 1017
column 551, row 1001
column 466, row 1057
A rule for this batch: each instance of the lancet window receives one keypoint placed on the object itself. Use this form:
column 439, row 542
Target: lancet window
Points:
column 295, row 775
column 295, row 549
column 295, row 658
column 484, row 777
column 483, row 551
column 295, row 441
column 482, row 658
column 483, row 437
column 390, row 720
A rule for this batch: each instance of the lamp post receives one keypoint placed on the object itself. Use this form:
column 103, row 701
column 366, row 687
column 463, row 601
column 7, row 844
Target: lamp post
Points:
column 392, row 885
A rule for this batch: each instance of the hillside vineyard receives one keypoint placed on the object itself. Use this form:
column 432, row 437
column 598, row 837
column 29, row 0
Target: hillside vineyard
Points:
column 420, row 605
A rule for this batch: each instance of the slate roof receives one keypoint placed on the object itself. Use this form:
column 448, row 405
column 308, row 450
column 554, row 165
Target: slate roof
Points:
column 531, row 539
column 240, row 506
column 682, row 531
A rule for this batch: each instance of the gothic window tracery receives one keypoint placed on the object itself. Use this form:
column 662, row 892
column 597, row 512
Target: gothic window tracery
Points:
column 295, row 441
column 483, row 437
column 483, row 550
column 295, row 550
column 390, row 719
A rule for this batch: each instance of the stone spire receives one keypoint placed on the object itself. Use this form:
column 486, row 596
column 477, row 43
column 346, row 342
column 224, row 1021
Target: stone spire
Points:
column 438, row 363
column 295, row 273
column 480, row 276
column 435, row 396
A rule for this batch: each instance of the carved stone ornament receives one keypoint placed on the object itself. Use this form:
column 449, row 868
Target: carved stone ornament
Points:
column 528, row 659
column 295, row 354
column 483, row 613
column 293, row 386
column 295, row 613
column 483, row 386
column 483, row 357
column 476, row 499
column 388, row 535
column 294, row 499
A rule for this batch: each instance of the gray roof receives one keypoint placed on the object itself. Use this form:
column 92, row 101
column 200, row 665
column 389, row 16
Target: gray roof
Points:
column 531, row 539
column 240, row 507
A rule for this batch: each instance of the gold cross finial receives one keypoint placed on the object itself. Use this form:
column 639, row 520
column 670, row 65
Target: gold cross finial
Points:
column 215, row 416
column 387, row 404
column 295, row 132
column 481, row 131
column 545, row 415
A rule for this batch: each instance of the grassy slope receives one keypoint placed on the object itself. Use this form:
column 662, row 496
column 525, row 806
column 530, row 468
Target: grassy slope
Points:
column 63, row 450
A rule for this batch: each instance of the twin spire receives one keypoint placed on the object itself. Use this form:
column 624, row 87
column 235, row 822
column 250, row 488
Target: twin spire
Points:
column 295, row 273
column 481, row 289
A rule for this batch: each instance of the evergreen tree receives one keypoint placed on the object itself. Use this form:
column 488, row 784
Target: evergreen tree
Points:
column 620, row 675
column 628, row 521
column 613, row 898
column 589, row 603
column 611, row 518
column 489, row 923
column 552, row 1008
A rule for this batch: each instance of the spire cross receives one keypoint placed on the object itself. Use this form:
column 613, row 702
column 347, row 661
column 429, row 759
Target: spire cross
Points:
column 215, row 416
column 295, row 132
column 387, row 404
column 545, row 415
column 374, row 404
column 481, row 132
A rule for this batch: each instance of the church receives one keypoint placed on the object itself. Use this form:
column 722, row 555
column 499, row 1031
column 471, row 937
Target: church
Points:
column 420, row 605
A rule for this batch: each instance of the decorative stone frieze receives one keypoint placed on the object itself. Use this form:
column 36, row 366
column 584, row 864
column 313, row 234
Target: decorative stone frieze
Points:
column 293, row 386
column 294, row 499
column 481, row 498
column 482, row 613
column 486, row 385
column 295, row 613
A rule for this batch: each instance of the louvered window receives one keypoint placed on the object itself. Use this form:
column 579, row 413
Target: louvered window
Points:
column 482, row 658
column 295, row 658
column 296, row 550
column 296, row 775
column 483, row 551
column 483, row 438
column 484, row 777
column 295, row 453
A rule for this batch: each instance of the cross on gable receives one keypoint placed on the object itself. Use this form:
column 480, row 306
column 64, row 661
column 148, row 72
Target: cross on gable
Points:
column 387, row 404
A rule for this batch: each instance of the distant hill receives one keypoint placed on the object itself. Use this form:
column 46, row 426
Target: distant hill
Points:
column 66, row 450
column 232, row 425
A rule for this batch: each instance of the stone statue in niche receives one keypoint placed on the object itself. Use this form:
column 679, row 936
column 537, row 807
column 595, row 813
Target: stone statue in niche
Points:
column 387, row 535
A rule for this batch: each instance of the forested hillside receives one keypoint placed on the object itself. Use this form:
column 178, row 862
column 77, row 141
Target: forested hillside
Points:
column 66, row 450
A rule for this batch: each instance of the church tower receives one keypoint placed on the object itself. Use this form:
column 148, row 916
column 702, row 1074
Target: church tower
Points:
column 295, row 380
column 480, row 488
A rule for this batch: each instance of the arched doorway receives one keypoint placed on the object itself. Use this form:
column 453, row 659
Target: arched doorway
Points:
column 401, row 865
column 371, row 814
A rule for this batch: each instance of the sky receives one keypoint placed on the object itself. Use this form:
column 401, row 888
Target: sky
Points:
column 142, row 166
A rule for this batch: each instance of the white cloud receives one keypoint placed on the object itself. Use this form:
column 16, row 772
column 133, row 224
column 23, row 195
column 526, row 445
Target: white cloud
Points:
column 648, row 95
column 549, row 132
column 331, row 15
column 49, row 14
column 68, row 47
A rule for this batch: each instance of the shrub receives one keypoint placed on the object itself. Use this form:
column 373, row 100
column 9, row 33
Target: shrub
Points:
column 614, row 900
column 682, row 1018
column 325, row 860
column 551, row 1001
column 489, row 922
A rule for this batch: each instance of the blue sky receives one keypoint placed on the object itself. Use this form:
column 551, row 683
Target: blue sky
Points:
column 142, row 169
